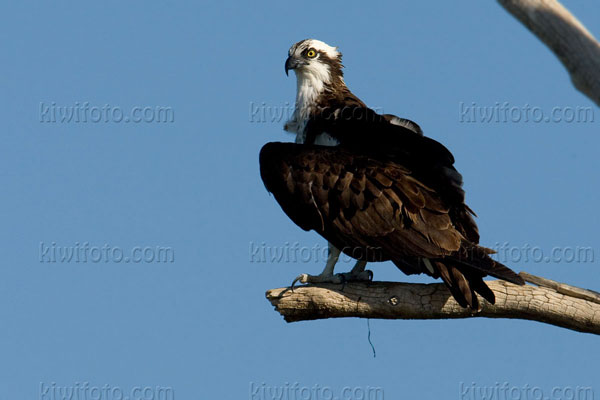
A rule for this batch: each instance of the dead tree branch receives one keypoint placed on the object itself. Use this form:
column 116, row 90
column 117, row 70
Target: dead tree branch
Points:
column 572, row 43
column 551, row 302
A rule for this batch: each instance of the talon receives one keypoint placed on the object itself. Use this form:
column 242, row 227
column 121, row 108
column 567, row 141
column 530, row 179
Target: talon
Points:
column 302, row 278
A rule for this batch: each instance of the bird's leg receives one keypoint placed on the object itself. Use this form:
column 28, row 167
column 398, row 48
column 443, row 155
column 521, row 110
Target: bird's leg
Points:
column 358, row 273
column 327, row 275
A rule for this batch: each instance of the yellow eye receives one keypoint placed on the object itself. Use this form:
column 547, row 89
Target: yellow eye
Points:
column 311, row 53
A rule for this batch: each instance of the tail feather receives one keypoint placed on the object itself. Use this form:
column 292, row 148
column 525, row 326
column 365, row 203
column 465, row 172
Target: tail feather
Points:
column 477, row 258
column 475, row 279
column 458, row 285
column 465, row 288
column 464, row 276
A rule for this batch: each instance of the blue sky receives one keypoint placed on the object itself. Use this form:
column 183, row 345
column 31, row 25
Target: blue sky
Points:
column 199, row 323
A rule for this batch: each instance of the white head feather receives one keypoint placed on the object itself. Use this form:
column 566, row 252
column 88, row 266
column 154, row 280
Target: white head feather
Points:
column 311, row 78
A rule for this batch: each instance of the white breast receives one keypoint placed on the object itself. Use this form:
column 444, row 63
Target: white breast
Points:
column 310, row 84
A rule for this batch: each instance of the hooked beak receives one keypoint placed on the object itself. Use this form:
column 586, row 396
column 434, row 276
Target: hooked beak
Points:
column 293, row 63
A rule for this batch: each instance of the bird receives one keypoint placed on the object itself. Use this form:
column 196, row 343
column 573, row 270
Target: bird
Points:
column 373, row 185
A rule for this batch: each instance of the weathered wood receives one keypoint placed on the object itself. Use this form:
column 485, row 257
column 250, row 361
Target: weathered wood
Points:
column 563, row 288
column 392, row 300
column 570, row 41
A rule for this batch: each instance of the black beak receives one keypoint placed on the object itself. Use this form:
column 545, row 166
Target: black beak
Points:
column 291, row 63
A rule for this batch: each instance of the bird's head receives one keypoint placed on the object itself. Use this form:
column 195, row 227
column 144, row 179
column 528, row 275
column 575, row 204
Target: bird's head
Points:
column 315, row 61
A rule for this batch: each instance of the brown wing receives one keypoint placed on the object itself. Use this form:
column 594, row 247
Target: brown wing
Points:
column 375, row 211
column 355, row 201
column 386, row 136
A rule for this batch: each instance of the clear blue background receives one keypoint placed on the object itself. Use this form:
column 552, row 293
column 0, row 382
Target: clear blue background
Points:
column 201, row 325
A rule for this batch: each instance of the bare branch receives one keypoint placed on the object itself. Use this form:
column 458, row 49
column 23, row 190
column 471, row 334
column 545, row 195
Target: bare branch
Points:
column 572, row 43
column 563, row 288
column 391, row 300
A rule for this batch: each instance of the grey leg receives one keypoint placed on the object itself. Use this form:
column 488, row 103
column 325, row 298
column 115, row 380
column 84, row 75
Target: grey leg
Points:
column 327, row 275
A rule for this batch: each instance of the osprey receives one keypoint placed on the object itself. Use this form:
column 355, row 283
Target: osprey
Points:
column 373, row 185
